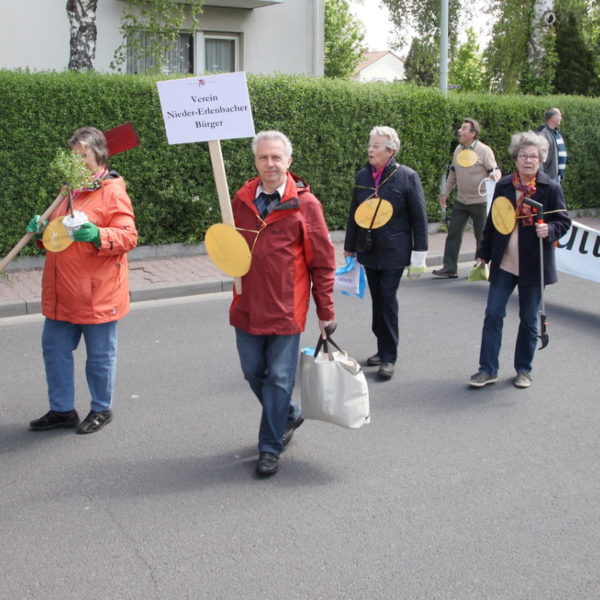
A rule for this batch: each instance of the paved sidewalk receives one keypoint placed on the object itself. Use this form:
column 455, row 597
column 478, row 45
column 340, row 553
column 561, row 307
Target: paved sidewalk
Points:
column 154, row 275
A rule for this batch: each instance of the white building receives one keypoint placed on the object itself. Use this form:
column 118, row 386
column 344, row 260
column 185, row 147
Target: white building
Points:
column 380, row 66
column 257, row 36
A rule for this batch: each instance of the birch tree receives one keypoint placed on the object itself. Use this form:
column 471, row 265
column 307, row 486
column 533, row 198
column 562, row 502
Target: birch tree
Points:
column 160, row 19
column 82, row 34
column 521, row 56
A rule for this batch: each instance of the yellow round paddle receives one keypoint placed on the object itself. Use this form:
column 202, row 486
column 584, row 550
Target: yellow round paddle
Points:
column 466, row 158
column 504, row 215
column 56, row 238
column 366, row 210
column 228, row 249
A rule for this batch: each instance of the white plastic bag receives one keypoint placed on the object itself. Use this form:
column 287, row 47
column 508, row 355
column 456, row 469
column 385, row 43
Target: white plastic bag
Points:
column 350, row 279
column 490, row 186
column 333, row 386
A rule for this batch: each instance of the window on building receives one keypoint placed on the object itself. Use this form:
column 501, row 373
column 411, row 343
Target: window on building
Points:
column 221, row 53
column 178, row 59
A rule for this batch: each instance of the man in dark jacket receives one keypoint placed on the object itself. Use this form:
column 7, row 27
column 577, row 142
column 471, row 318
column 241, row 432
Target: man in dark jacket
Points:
column 556, row 163
column 292, row 256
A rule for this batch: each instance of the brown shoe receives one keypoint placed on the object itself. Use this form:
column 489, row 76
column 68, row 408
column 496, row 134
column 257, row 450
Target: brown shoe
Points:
column 445, row 273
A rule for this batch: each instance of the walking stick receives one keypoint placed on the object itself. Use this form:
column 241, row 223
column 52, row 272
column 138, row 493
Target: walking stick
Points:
column 539, row 210
column 118, row 139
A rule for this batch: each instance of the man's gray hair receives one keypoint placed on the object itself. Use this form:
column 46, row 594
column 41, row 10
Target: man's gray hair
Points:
column 392, row 139
column 475, row 126
column 273, row 135
column 92, row 138
column 551, row 112
column 528, row 138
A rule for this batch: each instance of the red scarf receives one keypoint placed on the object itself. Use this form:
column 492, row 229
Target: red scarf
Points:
column 527, row 189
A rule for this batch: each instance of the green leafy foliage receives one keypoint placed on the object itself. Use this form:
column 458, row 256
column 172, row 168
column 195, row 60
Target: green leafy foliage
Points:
column 422, row 62
column 422, row 16
column 68, row 168
column 343, row 39
column 466, row 68
column 161, row 21
column 576, row 69
column 328, row 120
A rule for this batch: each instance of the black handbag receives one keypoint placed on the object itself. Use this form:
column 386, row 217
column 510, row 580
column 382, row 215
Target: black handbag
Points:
column 364, row 237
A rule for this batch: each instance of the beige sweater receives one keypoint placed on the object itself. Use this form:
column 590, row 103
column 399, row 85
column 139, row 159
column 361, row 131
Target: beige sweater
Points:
column 468, row 179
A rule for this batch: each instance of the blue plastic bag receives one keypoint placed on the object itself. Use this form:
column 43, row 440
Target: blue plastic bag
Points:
column 350, row 279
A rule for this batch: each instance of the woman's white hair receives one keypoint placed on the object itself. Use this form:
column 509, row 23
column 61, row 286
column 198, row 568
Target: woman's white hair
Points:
column 528, row 138
column 393, row 141
column 273, row 135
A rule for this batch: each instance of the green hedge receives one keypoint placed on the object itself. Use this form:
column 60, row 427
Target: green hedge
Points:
column 328, row 121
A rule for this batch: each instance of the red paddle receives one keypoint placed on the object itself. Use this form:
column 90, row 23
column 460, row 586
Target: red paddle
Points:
column 121, row 138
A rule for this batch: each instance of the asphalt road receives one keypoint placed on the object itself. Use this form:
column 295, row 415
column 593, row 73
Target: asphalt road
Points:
column 449, row 493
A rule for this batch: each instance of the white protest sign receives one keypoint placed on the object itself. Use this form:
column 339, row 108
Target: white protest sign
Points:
column 209, row 108
column 205, row 108
column 578, row 252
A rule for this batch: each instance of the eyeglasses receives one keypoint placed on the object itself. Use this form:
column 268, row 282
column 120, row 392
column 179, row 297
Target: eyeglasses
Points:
column 528, row 156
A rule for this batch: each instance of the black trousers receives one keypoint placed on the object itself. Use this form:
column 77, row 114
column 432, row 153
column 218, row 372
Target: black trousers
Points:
column 383, row 285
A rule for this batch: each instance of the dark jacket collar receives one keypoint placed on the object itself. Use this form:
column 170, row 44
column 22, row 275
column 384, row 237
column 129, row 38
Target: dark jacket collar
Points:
column 542, row 177
column 392, row 166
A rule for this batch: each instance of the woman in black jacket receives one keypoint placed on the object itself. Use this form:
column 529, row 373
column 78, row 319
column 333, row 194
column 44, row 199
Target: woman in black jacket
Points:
column 394, row 230
column 515, row 256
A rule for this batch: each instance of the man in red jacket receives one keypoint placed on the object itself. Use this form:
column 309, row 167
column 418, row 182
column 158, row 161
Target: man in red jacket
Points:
column 292, row 255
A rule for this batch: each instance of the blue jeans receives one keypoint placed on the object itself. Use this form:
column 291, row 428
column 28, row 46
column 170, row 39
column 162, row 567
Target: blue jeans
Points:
column 59, row 340
column 491, row 338
column 383, row 285
column 269, row 365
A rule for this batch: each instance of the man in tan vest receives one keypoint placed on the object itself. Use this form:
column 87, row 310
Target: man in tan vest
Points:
column 472, row 162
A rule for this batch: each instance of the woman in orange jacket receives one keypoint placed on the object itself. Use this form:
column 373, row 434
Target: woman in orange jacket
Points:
column 85, row 291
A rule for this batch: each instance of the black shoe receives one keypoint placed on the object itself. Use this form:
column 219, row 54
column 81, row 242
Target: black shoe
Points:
column 95, row 421
column 386, row 370
column 289, row 432
column 445, row 273
column 267, row 464
column 53, row 419
column 373, row 361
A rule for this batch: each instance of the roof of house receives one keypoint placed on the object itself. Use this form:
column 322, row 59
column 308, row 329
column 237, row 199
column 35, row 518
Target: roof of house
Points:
column 370, row 57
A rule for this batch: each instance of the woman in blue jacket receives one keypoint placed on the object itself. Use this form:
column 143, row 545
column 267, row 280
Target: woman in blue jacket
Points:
column 387, row 250
column 514, row 257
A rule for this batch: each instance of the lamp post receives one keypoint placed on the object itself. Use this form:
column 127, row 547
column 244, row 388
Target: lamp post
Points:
column 444, row 47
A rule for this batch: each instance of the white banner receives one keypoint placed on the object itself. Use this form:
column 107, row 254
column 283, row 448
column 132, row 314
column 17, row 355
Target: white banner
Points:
column 206, row 108
column 578, row 252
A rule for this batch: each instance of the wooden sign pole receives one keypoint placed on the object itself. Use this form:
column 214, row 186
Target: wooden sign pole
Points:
column 216, row 157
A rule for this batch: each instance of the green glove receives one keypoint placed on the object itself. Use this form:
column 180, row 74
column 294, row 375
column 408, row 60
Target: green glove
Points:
column 88, row 232
column 36, row 226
